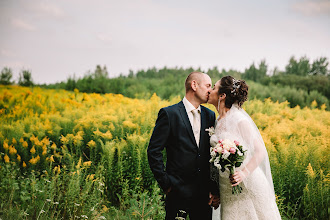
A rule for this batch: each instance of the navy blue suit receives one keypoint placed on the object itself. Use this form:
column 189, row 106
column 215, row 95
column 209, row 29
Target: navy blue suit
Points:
column 187, row 169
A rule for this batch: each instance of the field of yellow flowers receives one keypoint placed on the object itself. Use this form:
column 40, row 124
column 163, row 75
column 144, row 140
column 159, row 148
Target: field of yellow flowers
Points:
column 76, row 155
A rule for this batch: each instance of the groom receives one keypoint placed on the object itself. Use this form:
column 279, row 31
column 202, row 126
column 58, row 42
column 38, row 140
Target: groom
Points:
column 180, row 129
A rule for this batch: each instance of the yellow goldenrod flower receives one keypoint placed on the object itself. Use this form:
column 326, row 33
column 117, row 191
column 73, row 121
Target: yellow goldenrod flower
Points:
column 18, row 157
column 57, row 169
column 12, row 150
column 77, row 140
column 97, row 133
column 21, row 140
column 24, row 164
column 111, row 126
column 310, row 172
column 25, row 144
column 64, row 140
column 79, row 163
column 14, row 141
column 104, row 208
column 91, row 143
column 44, row 150
column 53, row 146
column 45, row 141
column 314, row 104
column 5, row 146
column 129, row 124
column 33, row 138
column 6, row 158
column 90, row 177
column 87, row 163
column 107, row 135
column 33, row 150
column 34, row 160
column 323, row 107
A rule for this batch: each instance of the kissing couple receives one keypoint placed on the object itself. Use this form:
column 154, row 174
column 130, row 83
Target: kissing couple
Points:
column 191, row 183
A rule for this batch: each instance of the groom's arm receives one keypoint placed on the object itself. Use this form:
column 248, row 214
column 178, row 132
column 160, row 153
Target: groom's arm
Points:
column 157, row 143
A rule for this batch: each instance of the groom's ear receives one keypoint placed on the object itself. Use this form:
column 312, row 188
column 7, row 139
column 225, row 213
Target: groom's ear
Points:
column 194, row 85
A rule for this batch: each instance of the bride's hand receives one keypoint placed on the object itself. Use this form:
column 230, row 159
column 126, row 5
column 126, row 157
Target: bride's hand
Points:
column 238, row 177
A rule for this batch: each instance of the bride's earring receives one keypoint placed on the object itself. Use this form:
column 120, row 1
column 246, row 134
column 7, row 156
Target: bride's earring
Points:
column 218, row 104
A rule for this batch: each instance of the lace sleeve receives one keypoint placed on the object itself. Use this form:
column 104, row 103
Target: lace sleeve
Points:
column 214, row 173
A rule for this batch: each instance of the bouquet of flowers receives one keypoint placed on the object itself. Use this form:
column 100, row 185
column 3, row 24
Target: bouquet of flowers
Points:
column 227, row 154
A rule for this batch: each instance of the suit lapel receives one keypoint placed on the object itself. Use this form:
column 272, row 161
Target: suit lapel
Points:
column 186, row 121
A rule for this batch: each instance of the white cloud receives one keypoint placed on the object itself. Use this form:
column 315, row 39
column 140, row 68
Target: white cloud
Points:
column 312, row 8
column 18, row 23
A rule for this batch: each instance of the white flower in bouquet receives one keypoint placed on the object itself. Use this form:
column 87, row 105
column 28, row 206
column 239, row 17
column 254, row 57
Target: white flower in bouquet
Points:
column 225, row 154
column 213, row 153
column 217, row 163
column 227, row 144
column 214, row 140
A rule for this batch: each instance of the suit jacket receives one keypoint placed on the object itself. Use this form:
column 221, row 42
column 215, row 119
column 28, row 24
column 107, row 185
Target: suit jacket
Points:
column 187, row 166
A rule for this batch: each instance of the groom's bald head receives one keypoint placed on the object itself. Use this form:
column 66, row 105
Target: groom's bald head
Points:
column 197, row 76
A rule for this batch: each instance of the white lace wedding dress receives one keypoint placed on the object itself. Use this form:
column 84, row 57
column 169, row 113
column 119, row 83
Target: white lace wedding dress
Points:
column 257, row 200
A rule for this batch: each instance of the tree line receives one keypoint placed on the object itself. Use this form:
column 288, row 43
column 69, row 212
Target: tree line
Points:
column 25, row 77
column 302, row 81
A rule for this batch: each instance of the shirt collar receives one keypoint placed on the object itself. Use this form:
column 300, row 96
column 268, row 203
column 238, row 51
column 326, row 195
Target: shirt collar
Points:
column 189, row 107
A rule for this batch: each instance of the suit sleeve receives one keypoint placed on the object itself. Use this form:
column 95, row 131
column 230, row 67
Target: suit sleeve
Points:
column 157, row 143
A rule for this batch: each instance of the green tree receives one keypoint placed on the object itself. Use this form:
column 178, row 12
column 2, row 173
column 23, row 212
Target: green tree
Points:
column 301, row 67
column 101, row 72
column 71, row 83
column 25, row 78
column 256, row 74
column 320, row 67
column 6, row 75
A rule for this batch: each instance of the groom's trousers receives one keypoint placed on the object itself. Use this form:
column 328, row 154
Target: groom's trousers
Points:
column 196, row 206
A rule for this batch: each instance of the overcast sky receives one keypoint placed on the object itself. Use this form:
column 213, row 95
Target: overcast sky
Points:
column 56, row 39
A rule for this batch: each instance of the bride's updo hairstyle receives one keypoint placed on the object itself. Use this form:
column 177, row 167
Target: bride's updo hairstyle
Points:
column 235, row 90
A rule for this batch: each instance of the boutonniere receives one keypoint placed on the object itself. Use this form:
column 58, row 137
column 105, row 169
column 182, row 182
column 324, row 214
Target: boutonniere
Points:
column 210, row 130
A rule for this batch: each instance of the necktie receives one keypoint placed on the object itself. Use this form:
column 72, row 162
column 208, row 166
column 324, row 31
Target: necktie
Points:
column 196, row 125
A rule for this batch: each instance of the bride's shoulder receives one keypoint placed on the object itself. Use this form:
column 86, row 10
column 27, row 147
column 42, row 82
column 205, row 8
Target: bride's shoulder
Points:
column 237, row 115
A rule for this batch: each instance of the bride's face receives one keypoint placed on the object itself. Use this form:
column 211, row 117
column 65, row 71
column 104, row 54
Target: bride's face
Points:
column 213, row 97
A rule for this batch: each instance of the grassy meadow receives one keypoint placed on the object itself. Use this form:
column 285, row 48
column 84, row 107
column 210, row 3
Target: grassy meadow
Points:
column 73, row 155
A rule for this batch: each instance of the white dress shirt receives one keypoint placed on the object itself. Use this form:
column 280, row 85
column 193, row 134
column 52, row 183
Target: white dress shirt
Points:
column 197, row 128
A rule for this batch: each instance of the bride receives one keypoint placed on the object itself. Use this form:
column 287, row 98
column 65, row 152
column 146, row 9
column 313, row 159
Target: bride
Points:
column 257, row 199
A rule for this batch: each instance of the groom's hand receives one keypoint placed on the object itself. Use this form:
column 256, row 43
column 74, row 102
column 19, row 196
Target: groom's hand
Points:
column 168, row 190
column 214, row 201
